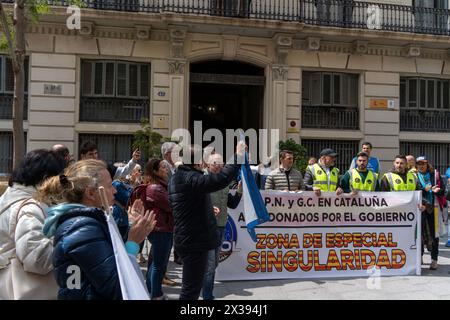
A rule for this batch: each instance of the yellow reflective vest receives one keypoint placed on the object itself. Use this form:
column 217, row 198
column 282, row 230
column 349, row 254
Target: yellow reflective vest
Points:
column 320, row 178
column 396, row 182
column 357, row 184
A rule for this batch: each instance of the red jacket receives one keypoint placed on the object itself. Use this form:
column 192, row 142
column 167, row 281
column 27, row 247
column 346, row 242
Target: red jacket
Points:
column 157, row 199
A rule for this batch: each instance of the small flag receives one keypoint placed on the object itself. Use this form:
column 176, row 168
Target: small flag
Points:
column 255, row 211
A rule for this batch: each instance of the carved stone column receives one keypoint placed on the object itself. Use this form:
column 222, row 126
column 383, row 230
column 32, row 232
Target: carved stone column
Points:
column 177, row 79
column 277, row 108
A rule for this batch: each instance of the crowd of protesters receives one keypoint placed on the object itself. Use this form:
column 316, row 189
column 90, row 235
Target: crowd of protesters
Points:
column 52, row 218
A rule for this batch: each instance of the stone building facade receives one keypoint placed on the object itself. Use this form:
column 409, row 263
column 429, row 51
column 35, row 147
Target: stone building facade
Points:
column 381, row 75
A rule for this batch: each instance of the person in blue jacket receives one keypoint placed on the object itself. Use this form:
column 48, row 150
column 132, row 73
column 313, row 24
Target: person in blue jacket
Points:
column 82, row 242
column 373, row 164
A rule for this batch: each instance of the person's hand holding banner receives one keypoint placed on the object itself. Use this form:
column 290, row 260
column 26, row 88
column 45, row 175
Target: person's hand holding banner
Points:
column 317, row 191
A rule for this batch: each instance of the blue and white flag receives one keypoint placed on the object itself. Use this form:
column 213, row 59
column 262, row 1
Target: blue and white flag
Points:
column 255, row 211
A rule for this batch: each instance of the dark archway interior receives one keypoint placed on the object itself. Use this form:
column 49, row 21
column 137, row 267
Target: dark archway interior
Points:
column 226, row 95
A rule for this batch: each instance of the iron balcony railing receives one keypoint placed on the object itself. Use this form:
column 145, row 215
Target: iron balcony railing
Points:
column 6, row 102
column 438, row 154
column 424, row 120
column 337, row 13
column 113, row 110
column 315, row 117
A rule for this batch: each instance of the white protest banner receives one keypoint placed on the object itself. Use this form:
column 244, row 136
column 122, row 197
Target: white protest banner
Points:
column 325, row 237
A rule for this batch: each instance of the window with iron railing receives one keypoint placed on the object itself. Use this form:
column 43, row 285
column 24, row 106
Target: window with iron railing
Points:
column 111, row 147
column 346, row 149
column 424, row 104
column 114, row 91
column 330, row 100
column 6, row 152
column 429, row 15
column 7, row 88
column 438, row 154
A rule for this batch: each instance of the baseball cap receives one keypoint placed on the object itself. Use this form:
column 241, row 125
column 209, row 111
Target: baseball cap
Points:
column 328, row 152
column 422, row 159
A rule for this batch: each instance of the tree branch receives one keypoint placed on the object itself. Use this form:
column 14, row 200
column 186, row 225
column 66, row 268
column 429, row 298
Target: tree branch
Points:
column 5, row 25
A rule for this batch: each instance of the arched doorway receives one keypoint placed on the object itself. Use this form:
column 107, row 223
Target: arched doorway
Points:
column 226, row 95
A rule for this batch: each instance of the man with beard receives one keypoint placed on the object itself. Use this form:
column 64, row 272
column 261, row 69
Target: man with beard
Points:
column 360, row 178
column 399, row 179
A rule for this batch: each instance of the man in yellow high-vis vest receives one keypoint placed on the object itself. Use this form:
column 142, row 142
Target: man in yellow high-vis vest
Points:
column 360, row 178
column 399, row 178
column 323, row 176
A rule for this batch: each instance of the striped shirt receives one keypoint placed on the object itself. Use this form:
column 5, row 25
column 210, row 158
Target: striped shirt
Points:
column 280, row 179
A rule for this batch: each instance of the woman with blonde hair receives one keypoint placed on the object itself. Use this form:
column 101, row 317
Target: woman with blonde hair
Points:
column 81, row 237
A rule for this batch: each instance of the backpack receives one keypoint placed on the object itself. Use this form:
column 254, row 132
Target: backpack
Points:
column 138, row 193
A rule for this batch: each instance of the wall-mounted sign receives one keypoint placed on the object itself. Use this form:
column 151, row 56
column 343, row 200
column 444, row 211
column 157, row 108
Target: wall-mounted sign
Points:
column 160, row 122
column 161, row 94
column 293, row 126
column 382, row 103
column 50, row 88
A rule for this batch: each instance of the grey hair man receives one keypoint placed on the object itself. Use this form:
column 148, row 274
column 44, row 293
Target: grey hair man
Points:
column 166, row 152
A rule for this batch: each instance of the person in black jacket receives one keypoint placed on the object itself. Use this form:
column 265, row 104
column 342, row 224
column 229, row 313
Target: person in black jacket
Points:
column 195, row 225
column 81, row 237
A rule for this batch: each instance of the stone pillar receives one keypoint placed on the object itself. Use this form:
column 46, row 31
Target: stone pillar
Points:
column 177, row 79
column 277, row 107
column 381, row 125
column 178, row 106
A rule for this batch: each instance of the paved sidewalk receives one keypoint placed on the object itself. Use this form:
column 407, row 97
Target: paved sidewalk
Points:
column 432, row 285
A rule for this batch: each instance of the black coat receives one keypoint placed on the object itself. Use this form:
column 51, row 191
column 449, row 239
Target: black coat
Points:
column 195, row 223
column 82, row 239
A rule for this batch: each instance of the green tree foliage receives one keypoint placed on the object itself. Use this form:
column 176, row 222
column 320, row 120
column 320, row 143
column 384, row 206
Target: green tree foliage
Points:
column 148, row 141
column 300, row 154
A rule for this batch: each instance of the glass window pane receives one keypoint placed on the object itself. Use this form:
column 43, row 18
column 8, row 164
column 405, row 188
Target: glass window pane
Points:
column 6, row 150
column 337, row 89
column 316, row 87
column 438, row 94
column 423, row 93
column 326, row 90
column 402, row 93
column 431, row 94
column 98, row 82
column 86, row 78
column 109, row 86
column 144, row 80
column 9, row 76
column 133, row 81
column 412, row 93
column 353, row 90
column 121, row 79
column 445, row 94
